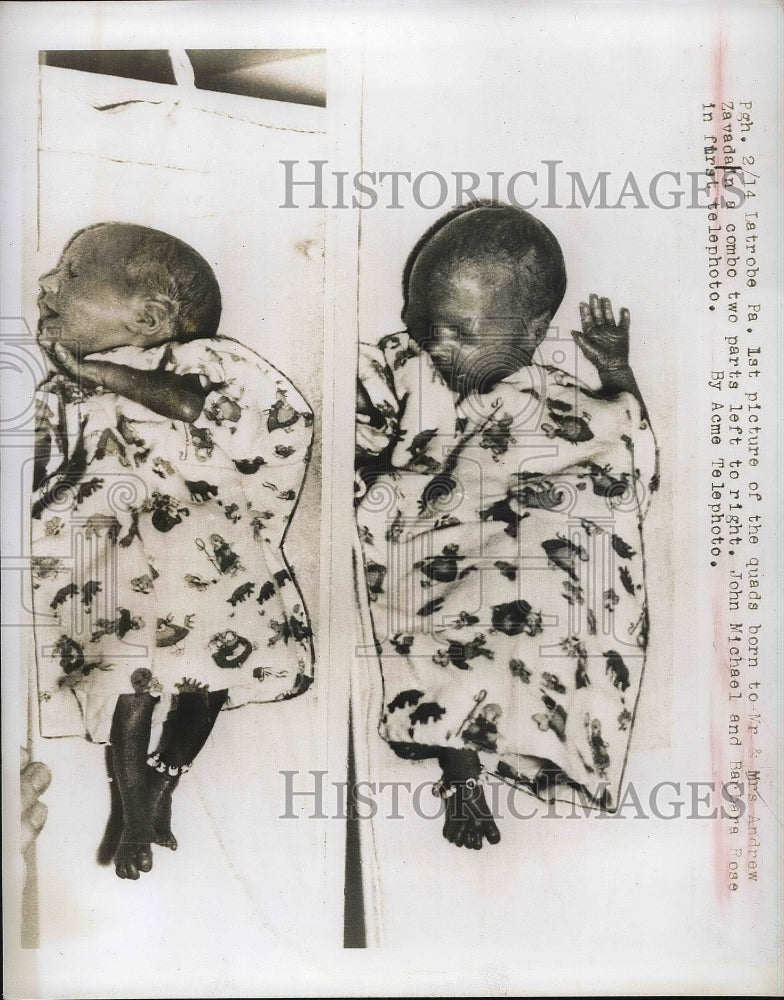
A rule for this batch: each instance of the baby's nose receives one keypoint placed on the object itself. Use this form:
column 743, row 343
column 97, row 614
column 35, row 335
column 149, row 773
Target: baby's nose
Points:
column 50, row 282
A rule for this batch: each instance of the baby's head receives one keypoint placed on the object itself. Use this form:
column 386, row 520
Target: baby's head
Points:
column 481, row 287
column 118, row 284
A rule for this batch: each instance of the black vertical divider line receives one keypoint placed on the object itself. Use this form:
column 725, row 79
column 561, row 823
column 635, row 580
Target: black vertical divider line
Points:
column 354, row 935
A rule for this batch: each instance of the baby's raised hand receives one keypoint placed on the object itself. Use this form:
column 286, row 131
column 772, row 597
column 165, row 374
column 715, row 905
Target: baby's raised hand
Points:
column 603, row 341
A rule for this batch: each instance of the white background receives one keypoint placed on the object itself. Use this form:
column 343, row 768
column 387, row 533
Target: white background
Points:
column 558, row 907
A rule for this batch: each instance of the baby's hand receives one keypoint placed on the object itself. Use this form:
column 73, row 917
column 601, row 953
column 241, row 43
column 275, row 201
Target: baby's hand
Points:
column 87, row 373
column 64, row 360
column 61, row 356
column 603, row 341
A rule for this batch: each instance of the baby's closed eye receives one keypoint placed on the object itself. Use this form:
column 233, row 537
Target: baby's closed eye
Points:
column 453, row 332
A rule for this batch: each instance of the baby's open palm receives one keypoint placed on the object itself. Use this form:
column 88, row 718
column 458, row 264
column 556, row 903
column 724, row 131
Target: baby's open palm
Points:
column 603, row 341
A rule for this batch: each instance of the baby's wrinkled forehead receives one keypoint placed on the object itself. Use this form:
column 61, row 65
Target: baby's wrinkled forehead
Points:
column 106, row 253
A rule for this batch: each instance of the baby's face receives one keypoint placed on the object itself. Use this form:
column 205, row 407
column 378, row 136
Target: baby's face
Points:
column 85, row 301
column 470, row 324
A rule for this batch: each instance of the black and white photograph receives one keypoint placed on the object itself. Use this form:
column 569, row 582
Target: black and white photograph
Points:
column 390, row 498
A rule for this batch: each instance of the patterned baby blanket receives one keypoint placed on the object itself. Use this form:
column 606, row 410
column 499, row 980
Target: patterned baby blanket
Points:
column 503, row 557
column 157, row 544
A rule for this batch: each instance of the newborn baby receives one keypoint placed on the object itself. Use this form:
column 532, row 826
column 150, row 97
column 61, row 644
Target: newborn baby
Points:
column 500, row 521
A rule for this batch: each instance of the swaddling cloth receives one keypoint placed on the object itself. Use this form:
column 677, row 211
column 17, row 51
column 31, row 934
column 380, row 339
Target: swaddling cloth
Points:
column 503, row 558
column 157, row 544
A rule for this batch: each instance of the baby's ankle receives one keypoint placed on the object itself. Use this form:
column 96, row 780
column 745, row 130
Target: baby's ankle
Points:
column 459, row 764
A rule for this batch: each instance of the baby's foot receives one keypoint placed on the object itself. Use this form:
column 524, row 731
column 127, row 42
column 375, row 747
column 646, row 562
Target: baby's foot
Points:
column 468, row 819
column 161, row 787
column 134, row 855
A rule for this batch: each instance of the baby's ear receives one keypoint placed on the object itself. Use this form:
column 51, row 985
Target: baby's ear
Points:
column 155, row 320
column 539, row 325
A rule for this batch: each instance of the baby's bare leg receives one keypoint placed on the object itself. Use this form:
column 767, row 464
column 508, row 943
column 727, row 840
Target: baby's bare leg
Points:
column 468, row 818
column 130, row 736
column 114, row 825
column 185, row 732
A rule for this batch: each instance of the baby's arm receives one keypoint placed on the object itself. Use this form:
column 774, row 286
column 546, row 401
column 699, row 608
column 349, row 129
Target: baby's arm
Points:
column 178, row 397
column 606, row 344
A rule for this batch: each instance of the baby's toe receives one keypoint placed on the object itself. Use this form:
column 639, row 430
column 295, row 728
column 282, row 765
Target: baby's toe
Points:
column 166, row 839
column 492, row 832
column 126, row 869
column 133, row 857
column 144, row 859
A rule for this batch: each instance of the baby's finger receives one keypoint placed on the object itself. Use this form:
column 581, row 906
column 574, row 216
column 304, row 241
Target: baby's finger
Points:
column 64, row 357
column 585, row 316
column 607, row 312
column 624, row 320
column 596, row 308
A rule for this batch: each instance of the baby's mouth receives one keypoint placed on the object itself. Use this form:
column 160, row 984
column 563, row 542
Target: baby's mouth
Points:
column 49, row 322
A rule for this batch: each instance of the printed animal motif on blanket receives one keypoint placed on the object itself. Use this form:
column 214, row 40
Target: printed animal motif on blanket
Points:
column 502, row 542
column 157, row 544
